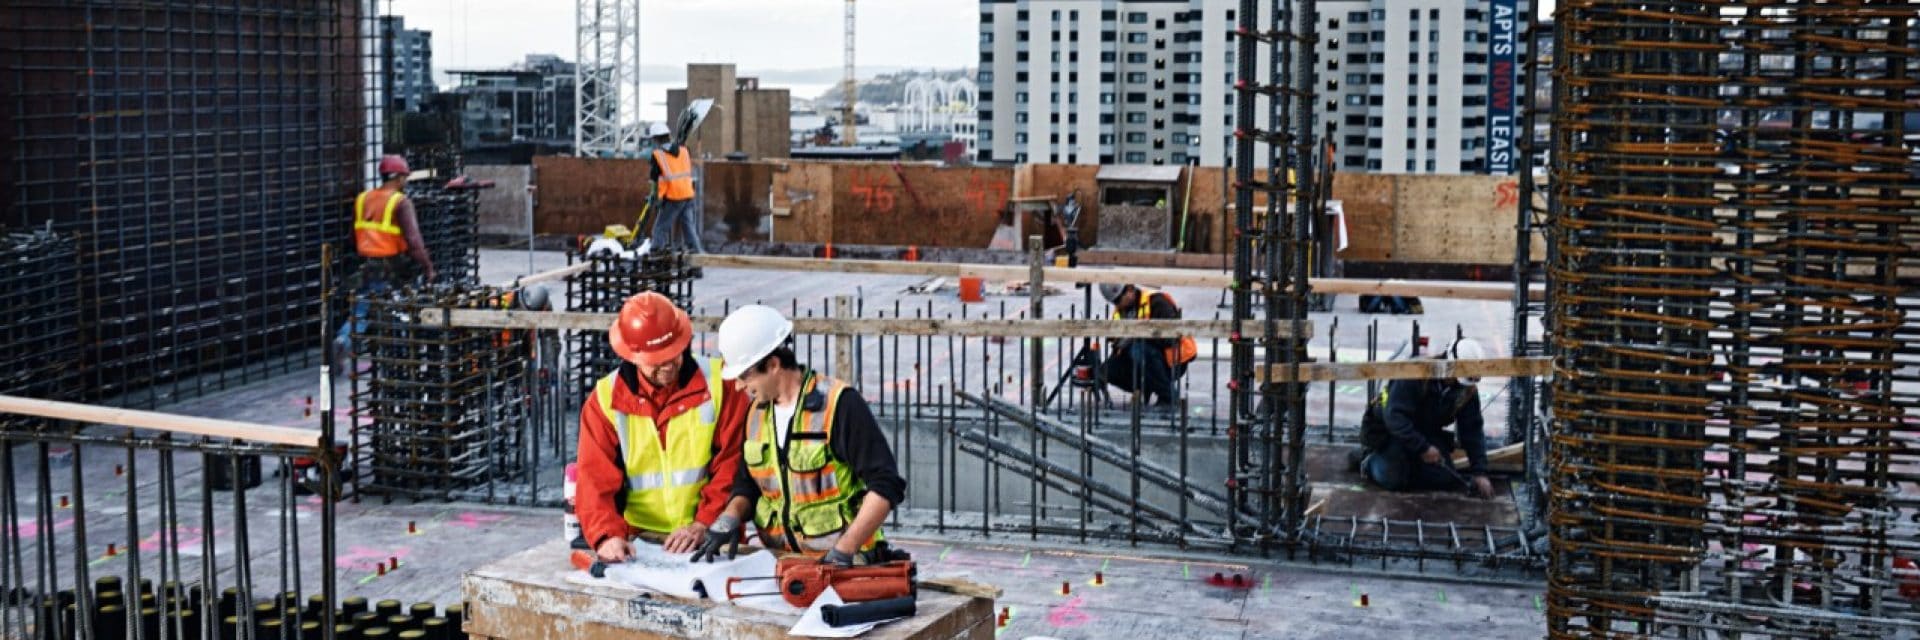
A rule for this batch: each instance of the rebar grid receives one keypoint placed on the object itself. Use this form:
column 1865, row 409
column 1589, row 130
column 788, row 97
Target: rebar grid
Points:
column 606, row 285
column 1732, row 220
column 199, row 153
column 438, row 410
column 39, row 333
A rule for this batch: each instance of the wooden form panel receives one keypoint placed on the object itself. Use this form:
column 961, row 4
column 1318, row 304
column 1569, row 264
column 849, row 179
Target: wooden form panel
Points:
column 584, row 195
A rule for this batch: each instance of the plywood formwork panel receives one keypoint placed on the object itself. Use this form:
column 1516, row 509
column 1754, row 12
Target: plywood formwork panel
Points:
column 584, row 195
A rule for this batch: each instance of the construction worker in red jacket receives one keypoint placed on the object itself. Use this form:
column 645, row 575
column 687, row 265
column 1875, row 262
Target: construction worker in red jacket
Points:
column 673, row 181
column 1148, row 366
column 816, row 475
column 386, row 232
column 659, row 436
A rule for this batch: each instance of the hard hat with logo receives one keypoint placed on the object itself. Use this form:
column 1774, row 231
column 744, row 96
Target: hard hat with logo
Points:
column 650, row 330
column 658, row 129
column 1466, row 349
column 390, row 166
column 748, row 335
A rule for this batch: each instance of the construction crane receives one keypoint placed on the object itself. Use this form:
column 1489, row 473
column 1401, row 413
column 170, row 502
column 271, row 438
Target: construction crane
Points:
column 848, row 88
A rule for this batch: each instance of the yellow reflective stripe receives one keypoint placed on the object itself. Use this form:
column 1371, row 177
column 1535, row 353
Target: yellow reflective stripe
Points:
column 664, row 479
column 385, row 224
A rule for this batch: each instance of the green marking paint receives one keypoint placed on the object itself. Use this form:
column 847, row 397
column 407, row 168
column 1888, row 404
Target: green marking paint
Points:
column 99, row 561
column 1104, row 564
column 1025, row 561
column 1538, row 605
column 369, row 578
column 1443, row 595
column 1266, row 583
column 944, row 552
column 1185, row 571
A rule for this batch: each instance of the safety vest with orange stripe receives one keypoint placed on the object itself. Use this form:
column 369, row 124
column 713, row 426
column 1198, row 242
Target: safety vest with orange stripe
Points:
column 676, row 174
column 374, row 233
column 664, row 482
column 805, row 493
column 1185, row 350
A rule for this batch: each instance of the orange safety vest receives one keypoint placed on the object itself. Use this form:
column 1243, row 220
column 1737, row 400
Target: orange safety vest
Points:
column 1186, row 350
column 676, row 174
column 374, row 233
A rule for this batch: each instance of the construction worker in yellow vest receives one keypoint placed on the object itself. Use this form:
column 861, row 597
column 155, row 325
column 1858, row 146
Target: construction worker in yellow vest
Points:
column 816, row 474
column 386, row 232
column 674, row 191
column 659, row 436
column 1148, row 366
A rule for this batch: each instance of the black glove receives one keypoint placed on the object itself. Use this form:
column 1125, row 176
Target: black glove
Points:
column 725, row 528
column 836, row 558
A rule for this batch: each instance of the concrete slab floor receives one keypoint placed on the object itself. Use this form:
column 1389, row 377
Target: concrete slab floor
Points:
column 1141, row 595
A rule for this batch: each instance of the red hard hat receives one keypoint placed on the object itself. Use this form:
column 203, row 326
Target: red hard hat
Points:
column 390, row 165
column 650, row 330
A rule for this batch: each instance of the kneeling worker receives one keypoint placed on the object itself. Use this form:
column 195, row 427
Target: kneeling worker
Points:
column 1406, row 446
column 1147, row 366
column 659, row 436
column 817, row 473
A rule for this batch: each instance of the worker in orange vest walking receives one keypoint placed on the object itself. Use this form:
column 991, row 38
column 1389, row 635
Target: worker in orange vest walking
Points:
column 660, row 436
column 673, row 182
column 386, row 233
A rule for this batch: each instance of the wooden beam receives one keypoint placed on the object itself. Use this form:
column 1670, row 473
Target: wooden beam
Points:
column 1508, row 458
column 1159, row 277
column 171, row 423
column 577, row 321
column 556, row 274
column 1413, row 369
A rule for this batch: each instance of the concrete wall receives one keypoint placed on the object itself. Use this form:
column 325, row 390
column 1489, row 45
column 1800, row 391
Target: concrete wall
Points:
column 721, row 133
column 764, row 128
column 503, row 209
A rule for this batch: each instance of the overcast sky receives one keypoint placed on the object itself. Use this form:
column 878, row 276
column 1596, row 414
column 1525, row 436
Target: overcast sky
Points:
column 756, row 35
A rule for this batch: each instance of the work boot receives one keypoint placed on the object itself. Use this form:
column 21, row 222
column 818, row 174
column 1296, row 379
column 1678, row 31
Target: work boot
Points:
column 1354, row 457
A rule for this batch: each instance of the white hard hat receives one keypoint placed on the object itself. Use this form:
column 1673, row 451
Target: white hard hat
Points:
column 1466, row 349
column 658, row 129
column 1112, row 291
column 748, row 335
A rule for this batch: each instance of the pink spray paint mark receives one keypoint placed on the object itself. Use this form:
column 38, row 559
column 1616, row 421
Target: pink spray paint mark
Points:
column 185, row 539
column 368, row 559
column 31, row 528
column 472, row 520
column 1068, row 615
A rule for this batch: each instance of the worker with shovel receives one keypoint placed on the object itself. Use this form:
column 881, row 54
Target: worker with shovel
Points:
column 674, row 192
column 1404, row 442
column 817, row 474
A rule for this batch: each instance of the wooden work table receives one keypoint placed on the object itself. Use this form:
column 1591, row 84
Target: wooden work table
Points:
column 526, row 596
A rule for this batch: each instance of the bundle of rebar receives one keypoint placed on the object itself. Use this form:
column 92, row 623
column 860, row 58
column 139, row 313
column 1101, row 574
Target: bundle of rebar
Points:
column 40, row 331
column 438, row 409
column 603, row 287
column 1734, row 228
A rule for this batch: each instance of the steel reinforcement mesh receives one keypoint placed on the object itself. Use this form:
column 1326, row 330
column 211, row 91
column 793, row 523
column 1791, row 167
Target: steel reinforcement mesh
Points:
column 1734, row 211
column 199, row 154
column 437, row 409
column 39, row 332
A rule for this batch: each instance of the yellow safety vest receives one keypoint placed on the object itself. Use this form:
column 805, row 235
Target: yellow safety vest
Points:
column 664, row 483
column 804, row 490
column 1184, row 351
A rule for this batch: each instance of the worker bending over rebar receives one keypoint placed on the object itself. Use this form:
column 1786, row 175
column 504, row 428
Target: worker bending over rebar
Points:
column 1405, row 445
column 1148, row 366
column 817, row 473
column 386, row 232
column 659, row 436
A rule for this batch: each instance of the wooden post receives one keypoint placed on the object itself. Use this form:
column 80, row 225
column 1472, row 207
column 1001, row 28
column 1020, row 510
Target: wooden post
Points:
column 1036, row 306
column 843, row 344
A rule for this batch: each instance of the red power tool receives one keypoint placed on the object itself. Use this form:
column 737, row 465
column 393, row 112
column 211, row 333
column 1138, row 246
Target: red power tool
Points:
column 802, row 579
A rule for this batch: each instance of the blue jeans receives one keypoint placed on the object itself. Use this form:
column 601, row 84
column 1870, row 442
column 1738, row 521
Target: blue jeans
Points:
column 375, row 278
column 676, row 213
column 1396, row 469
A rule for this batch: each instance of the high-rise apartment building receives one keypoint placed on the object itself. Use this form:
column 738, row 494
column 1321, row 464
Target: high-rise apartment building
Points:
column 409, row 69
column 1405, row 85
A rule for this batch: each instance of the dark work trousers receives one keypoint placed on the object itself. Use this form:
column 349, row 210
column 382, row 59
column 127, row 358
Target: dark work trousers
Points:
column 1396, row 469
column 1142, row 367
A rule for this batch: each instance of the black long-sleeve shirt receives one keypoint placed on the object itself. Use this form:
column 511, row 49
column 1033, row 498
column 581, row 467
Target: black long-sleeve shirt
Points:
column 857, row 443
column 1418, row 412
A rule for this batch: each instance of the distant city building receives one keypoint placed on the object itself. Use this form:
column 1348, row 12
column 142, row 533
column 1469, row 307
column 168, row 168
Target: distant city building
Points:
column 1418, row 86
column 531, row 103
column 409, row 69
column 746, row 118
column 932, row 105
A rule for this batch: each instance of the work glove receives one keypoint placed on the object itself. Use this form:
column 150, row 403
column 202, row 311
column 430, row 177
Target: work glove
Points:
column 836, row 558
column 725, row 528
